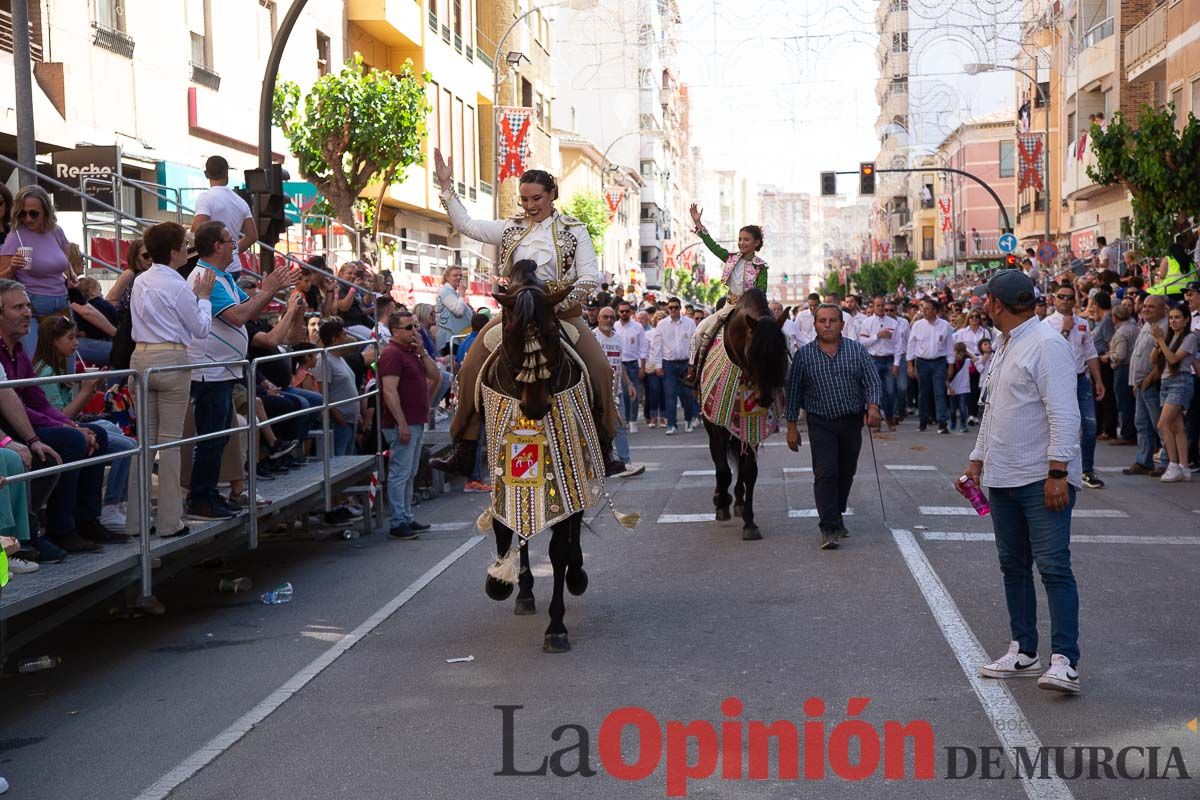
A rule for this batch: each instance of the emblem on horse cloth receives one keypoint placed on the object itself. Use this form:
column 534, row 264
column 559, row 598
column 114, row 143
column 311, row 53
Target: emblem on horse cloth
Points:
column 727, row 401
column 547, row 469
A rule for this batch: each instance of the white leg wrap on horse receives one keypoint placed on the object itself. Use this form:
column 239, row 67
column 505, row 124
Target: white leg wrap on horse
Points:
column 505, row 569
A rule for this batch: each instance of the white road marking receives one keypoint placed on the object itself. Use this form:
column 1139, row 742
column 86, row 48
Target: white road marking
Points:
column 449, row 526
column 688, row 472
column 666, row 519
column 1098, row 513
column 1109, row 469
column 1009, row 722
column 967, row 511
column 1086, row 538
column 912, row 467
column 208, row 753
column 811, row 513
column 668, row 447
column 796, row 470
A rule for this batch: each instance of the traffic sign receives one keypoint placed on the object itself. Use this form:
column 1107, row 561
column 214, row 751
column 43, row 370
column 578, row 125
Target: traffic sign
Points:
column 1008, row 243
column 1047, row 252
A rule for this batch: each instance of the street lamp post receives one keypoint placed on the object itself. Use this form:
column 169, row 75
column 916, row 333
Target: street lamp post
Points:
column 975, row 69
column 501, row 57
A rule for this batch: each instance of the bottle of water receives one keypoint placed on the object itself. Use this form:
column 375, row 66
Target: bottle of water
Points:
column 967, row 488
column 278, row 596
column 38, row 664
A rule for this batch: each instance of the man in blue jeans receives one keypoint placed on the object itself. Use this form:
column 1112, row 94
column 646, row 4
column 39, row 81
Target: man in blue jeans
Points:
column 405, row 374
column 672, row 351
column 879, row 334
column 1143, row 378
column 1089, row 385
column 930, row 352
column 212, row 387
column 1027, row 455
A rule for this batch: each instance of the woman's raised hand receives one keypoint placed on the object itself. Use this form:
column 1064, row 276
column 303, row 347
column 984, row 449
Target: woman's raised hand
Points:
column 443, row 168
column 696, row 211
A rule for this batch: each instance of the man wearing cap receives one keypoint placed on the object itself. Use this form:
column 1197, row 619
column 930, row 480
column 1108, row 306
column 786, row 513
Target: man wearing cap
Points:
column 221, row 203
column 1027, row 456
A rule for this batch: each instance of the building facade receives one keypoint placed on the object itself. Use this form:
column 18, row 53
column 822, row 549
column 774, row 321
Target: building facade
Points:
column 786, row 219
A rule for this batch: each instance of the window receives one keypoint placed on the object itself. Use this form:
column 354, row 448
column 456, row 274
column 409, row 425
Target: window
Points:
column 198, row 15
column 445, row 113
column 1007, row 160
column 460, row 161
column 647, row 169
column 435, row 116
column 1177, row 99
column 927, row 242
column 323, row 51
column 110, row 14
column 526, row 93
column 899, row 5
column 900, row 42
column 1039, row 95
column 899, row 86
column 1195, row 98
column 267, row 27
column 470, row 133
column 458, row 25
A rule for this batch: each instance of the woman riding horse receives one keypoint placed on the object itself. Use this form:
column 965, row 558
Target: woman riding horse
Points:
column 562, row 252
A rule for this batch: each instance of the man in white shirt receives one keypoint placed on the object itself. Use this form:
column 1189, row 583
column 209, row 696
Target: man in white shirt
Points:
column 878, row 334
column 633, row 343
column 212, row 387
column 612, row 342
column 930, row 352
column 219, row 202
column 900, row 409
column 1027, row 456
column 1078, row 334
column 851, row 306
column 834, row 299
column 802, row 329
column 671, row 349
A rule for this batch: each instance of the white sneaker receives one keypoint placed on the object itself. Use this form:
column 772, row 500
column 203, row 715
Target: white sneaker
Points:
column 1060, row 677
column 19, row 566
column 632, row 427
column 1174, row 474
column 690, row 426
column 1012, row 665
column 632, row 470
column 112, row 516
column 3, row 786
column 670, row 430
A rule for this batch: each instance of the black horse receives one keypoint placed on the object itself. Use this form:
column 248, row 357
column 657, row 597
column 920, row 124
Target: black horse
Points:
column 757, row 347
column 529, row 325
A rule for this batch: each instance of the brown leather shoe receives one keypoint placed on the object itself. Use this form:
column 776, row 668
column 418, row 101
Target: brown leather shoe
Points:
column 461, row 460
column 1136, row 469
column 1122, row 443
column 73, row 543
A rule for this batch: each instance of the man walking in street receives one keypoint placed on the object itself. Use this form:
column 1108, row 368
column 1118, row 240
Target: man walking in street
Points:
column 899, row 408
column 1144, row 379
column 674, row 342
column 405, row 372
column 1090, row 386
column 930, row 352
column 835, row 382
column 613, row 344
column 1027, row 455
column 878, row 334
column 633, row 344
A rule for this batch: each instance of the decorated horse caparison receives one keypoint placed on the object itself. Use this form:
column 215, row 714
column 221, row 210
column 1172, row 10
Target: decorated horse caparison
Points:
column 742, row 377
column 546, row 460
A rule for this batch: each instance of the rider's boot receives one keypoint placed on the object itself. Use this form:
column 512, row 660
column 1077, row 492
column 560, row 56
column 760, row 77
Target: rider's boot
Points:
column 461, row 460
column 612, row 464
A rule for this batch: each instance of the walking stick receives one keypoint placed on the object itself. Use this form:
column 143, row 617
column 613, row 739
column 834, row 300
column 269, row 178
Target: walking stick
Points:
column 878, row 484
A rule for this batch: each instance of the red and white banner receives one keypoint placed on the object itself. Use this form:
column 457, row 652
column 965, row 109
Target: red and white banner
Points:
column 612, row 199
column 944, row 214
column 669, row 250
column 1029, row 155
column 513, row 148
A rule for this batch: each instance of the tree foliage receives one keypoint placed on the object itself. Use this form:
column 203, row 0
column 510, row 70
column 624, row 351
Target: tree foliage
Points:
column 833, row 285
column 1157, row 164
column 353, row 127
column 590, row 209
column 884, row 277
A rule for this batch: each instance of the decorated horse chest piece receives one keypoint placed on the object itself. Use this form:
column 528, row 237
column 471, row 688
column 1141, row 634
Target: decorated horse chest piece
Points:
column 526, row 460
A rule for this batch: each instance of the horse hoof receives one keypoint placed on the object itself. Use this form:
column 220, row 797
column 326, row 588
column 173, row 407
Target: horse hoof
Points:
column 556, row 643
column 723, row 514
column 524, row 607
column 737, row 509
column 498, row 590
column 750, row 533
column 577, row 581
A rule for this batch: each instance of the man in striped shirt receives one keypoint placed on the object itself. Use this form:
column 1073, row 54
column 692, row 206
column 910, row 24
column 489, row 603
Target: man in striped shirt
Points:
column 835, row 381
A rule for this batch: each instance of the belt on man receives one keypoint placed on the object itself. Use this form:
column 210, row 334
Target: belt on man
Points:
column 160, row 346
column 675, row 361
column 935, row 358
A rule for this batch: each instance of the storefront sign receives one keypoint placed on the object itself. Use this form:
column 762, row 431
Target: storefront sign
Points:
column 72, row 166
column 1082, row 242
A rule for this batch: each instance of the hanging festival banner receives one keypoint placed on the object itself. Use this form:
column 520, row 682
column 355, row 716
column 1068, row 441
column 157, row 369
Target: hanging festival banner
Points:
column 1029, row 154
column 613, row 198
column 669, row 250
column 513, row 148
column 944, row 213
column 1081, row 147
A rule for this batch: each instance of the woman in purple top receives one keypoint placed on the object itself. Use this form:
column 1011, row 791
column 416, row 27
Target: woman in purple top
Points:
column 46, row 270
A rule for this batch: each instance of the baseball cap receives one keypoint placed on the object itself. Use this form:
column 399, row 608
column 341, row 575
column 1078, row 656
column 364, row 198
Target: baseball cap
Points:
column 1010, row 286
column 1194, row 286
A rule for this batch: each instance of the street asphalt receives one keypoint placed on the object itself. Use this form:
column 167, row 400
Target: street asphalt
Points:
column 347, row 692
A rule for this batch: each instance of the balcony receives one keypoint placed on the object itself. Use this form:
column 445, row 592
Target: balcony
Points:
column 1097, row 58
column 393, row 22
column 1076, row 183
column 1146, row 47
column 6, row 37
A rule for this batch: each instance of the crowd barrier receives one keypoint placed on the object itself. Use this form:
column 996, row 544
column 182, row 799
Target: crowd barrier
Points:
column 59, row 592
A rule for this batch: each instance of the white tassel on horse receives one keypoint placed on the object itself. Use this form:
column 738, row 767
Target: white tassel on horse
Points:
column 505, row 569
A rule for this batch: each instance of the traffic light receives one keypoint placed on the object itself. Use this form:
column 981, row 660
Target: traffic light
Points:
column 866, row 178
column 1010, row 261
column 828, row 184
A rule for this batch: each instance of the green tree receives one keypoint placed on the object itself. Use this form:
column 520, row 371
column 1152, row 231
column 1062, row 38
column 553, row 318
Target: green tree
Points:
column 353, row 127
column 901, row 271
column 833, row 285
column 590, row 209
column 1157, row 164
column 871, row 279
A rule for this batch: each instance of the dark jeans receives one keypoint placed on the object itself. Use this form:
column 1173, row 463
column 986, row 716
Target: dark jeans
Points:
column 1106, row 409
column 1087, row 419
column 654, row 396
column 631, row 404
column 212, row 409
column 883, row 365
column 1028, row 532
column 1149, row 409
column 40, row 490
column 931, row 390
column 676, row 390
column 305, row 423
column 835, row 444
column 77, row 497
column 1126, row 407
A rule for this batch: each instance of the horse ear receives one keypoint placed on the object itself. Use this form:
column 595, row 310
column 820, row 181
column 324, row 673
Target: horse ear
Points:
column 751, row 322
column 505, row 300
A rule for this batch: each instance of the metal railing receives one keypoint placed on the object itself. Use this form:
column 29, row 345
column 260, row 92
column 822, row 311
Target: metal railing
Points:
column 1147, row 38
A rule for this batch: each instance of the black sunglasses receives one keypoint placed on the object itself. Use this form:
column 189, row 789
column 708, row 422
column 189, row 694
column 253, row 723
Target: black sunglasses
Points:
column 408, row 327
column 23, row 214
column 1069, row 297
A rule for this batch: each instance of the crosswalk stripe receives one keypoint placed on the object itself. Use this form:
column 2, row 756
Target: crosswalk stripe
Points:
column 796, row 470
column 666, row 519
column 1098, row 513
column 689, row 472
column 449, row 526
column 953, row 536
column 912, row 467
column 948, row 511
column 811, row 513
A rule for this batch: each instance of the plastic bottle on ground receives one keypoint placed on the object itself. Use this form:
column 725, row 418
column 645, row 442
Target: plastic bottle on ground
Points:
column 38, row 664
column 278, row 596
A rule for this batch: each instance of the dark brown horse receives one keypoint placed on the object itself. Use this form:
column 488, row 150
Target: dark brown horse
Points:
column 533, row 366
column 756, row 345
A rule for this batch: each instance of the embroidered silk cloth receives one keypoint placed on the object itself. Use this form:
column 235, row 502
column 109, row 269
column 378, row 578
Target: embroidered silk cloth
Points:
column 543, row 470
column 729, row 402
